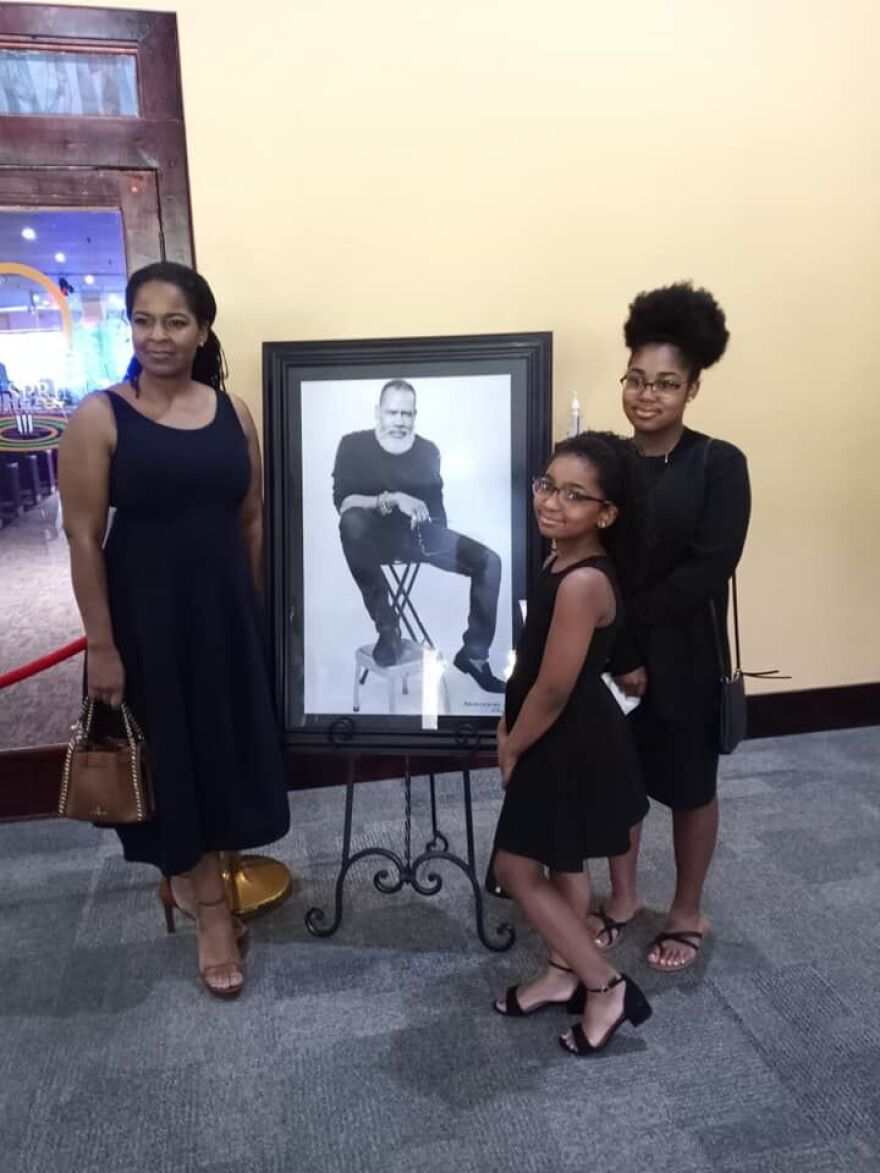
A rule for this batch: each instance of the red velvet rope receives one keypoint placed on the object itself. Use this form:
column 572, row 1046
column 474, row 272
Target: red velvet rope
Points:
column 44, row 662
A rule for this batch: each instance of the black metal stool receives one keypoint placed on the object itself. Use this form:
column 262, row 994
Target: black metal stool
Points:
column 401, row 578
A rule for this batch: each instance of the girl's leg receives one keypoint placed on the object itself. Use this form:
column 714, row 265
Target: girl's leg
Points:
column 574, row 888
column 557, row 982
column 566, row 934
column 694, row 835
column 218, row 948
column 623, row 903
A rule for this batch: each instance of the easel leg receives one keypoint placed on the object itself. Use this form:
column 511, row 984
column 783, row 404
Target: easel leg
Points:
column 316, row 916
column 437, row 840
column 407, row 869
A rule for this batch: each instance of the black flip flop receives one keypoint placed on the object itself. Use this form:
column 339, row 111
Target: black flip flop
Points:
column 689, row 937
column 613, row 928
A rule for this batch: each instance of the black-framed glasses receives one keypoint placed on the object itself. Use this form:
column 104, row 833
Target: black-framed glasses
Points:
column 637, row 384
column 544, row 487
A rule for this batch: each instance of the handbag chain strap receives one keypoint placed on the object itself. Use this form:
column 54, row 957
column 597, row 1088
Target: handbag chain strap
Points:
column 81, row 730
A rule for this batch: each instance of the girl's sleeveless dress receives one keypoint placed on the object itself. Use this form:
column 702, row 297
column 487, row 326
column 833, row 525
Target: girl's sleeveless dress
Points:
column 186, row 621
column 576, row 792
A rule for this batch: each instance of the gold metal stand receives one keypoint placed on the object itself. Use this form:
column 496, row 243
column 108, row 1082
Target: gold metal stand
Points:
column 255, row 883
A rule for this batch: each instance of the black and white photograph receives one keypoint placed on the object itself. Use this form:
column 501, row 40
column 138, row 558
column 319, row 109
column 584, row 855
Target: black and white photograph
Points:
column 398, row 539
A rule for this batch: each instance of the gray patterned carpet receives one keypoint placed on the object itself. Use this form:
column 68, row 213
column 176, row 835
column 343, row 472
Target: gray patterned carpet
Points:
column 377, row 1050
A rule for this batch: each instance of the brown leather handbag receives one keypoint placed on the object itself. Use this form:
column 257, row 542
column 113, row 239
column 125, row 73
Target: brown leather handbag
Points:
column 106, row 779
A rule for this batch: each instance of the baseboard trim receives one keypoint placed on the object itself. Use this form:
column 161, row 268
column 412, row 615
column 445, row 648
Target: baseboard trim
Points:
column 30, row 778
column 812, row 710
column 30, row 781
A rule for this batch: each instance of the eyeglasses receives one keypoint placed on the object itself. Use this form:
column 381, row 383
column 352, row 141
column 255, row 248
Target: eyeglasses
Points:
column 635, row 383
column 543, row 487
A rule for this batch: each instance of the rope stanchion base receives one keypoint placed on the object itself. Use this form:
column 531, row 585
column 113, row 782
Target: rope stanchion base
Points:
column 255, row 883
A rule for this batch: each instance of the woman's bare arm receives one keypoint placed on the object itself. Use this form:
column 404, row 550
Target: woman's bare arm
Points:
column 252, row 506
column 84, row 482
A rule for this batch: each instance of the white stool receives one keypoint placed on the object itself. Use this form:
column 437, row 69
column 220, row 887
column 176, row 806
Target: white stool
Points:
column 409, row 663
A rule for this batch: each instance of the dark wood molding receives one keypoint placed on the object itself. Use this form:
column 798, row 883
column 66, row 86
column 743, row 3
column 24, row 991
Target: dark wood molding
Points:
column 134, row 192
column 58, row 22
column 155, row 141
column 118, row 143
column 811, row 710
column 30, row 778
column 30, row 781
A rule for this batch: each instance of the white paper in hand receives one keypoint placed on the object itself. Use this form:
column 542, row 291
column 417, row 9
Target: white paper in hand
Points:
column 627, row 703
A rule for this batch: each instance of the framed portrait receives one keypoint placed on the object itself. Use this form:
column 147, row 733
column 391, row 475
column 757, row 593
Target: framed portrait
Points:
column 400, row 536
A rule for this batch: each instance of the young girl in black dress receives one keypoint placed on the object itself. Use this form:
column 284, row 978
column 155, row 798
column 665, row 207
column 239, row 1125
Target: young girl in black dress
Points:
column 572, row 788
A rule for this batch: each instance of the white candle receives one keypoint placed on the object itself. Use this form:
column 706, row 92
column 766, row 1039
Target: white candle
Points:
column 574, row 424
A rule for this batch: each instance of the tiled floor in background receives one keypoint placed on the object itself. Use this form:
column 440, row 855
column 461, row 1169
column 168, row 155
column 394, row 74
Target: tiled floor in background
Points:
column 39, row 614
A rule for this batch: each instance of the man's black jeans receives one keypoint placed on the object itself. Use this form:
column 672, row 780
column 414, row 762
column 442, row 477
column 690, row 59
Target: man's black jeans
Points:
column 370, row 540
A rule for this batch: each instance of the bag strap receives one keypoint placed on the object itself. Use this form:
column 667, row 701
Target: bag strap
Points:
column 723, row 668
column 83, row 727
column 768, row 674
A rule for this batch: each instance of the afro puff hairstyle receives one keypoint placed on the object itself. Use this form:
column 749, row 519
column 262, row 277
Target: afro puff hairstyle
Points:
column 688, row 318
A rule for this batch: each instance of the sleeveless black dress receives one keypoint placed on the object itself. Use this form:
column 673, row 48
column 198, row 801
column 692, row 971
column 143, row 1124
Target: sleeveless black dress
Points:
column 186, row 620
column 575, row 793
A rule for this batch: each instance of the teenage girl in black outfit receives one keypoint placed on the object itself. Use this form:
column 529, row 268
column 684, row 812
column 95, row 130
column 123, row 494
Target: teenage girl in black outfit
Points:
column 699, row 497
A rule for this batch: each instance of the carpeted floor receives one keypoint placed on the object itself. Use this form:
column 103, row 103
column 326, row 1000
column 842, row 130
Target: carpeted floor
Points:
column 377, row 1049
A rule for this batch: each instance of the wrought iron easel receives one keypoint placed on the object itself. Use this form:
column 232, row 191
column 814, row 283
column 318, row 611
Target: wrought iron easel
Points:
column 407, row 868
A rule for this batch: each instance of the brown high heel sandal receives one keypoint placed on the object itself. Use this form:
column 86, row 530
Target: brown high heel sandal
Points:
column 171, row 904
column 222, row 968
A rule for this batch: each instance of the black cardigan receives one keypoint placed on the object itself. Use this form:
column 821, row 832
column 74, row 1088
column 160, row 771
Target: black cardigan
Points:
column 700, row 504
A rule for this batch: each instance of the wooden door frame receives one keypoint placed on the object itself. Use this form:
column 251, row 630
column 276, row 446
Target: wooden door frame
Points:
column 155, row 140
column 132, row 193
column 81, row 153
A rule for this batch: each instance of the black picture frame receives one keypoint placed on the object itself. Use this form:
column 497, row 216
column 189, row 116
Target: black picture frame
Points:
column 294, row 398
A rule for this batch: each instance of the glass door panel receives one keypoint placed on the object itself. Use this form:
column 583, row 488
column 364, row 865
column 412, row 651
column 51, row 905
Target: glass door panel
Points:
column 63, row 330
column 68, row 241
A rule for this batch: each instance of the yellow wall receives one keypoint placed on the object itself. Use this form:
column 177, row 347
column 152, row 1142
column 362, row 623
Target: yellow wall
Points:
column 399, row 167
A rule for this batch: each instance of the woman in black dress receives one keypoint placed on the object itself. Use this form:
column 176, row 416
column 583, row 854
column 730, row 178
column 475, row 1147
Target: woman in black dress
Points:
column 667, row 655
column 170, row 602
column 568, row 765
